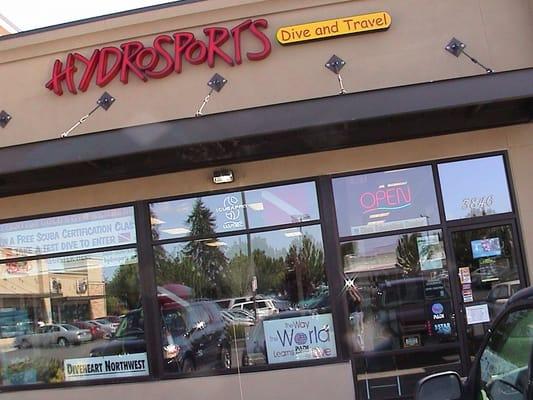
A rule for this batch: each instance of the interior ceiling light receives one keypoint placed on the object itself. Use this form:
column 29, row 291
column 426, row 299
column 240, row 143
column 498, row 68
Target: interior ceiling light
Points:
column 223, row 176
column 256, row 206
column 216, row 243
column 176, row 231
column 456, row 47
column 293, row 234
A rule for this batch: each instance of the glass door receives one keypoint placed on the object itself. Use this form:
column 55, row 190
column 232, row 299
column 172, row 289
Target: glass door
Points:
column 487, row 267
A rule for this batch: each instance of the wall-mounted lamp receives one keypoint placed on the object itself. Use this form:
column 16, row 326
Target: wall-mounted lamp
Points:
column 223, row 176
column 216, row 83
column 105, row 101
column 4, row 118
column 456, row 47
column 335, row 64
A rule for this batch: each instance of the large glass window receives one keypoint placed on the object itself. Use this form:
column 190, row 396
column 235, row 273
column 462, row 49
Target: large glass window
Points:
column 250, row 298
column 385, row 201
column 473, row 188
column 398, row 292
column 70, row 318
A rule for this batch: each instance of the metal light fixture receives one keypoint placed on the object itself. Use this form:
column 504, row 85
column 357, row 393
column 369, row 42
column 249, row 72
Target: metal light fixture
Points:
column 4, row 118
column 456, row 47
column 105, row 101
column 335, row 64
column 216, row 83
column 223, row 176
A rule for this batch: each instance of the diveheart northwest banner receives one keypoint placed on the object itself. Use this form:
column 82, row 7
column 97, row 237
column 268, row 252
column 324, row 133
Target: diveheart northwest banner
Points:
column 300, row 338
column 79, row 369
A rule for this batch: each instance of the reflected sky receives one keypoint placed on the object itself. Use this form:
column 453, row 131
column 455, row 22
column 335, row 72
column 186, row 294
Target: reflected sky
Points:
column 53, row 12
column 481, row 182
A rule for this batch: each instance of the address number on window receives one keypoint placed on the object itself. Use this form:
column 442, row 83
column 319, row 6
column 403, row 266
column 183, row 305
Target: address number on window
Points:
column 477, row 202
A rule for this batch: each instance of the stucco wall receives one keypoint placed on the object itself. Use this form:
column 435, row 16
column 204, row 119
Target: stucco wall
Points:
column 319, row 382
column 498, row 33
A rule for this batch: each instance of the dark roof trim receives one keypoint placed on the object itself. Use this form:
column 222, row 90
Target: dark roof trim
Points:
column 265, row 132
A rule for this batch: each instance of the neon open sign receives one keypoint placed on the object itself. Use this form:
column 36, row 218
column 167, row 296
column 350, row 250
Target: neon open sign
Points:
column 392, row 198
column 164, row 57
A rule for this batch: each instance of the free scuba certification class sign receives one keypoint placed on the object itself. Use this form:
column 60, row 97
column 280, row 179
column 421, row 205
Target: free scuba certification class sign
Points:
column 334, row 27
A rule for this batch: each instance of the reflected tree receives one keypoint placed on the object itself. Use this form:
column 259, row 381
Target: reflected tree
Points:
column 237, row 278
column 206, row 256
column 305, row 263
column 123, row 290
column 270, row 272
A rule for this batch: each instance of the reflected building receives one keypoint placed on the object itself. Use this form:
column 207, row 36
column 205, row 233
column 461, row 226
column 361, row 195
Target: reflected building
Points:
column 54, row 290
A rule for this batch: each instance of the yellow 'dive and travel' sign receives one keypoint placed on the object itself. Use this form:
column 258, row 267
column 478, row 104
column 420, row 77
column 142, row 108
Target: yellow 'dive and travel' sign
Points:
column 334, row 27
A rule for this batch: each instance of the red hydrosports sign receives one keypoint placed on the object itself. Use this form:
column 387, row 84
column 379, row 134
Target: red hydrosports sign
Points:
column 164, row 57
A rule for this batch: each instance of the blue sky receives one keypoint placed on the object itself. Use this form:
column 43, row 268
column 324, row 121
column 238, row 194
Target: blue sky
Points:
column 53, row 12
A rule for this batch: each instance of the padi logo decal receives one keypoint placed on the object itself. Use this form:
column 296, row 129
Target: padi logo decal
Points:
column 438, row 311
column 437, row 308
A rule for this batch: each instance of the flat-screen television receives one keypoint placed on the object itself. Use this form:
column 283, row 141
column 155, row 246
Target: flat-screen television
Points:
column 486, row 247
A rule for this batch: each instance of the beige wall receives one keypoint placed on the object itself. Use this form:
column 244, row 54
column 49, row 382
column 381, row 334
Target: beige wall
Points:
column 319, row 383
column 497, row 32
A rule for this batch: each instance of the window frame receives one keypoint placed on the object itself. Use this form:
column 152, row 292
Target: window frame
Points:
column 341, row 357
column 444, row 225
column 131, row 246
column 332, row 260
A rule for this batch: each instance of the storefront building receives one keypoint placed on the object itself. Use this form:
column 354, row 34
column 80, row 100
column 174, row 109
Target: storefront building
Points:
column 243, row 215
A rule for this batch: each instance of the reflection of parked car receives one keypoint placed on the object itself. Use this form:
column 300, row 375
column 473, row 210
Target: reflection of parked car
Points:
column 499, row 294
column 264, row 307
column 193, row 335
column 96, row 331
column 317, row 300
column 238, row 317
column 54, row 334
column 107, row 323
column 404, row 308
column 229, row 303
column 114, row 321
column 105, row 326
